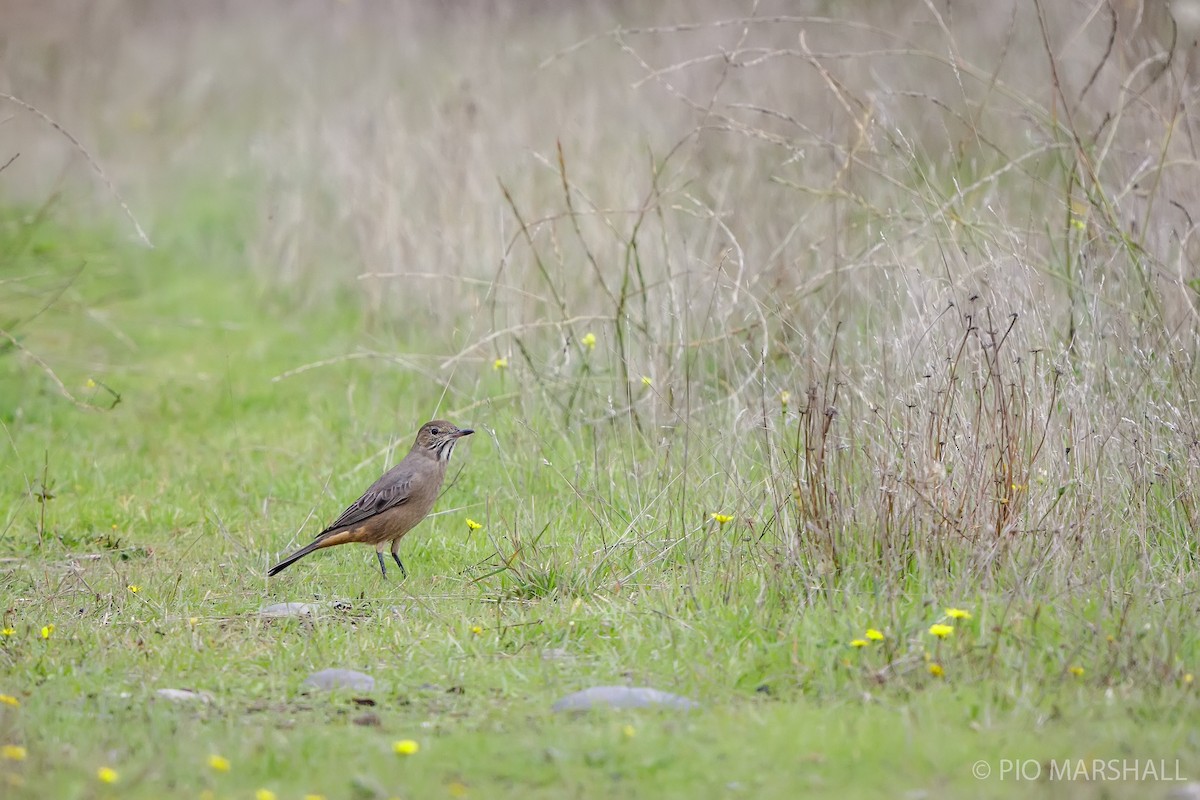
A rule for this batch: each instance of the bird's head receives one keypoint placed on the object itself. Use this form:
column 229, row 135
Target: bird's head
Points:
column 437, row 438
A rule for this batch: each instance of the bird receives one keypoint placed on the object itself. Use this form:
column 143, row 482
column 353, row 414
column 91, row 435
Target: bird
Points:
column 396, row 502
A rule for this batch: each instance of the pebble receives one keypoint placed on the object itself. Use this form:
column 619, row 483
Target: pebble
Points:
column 288, row 610
column 183, row 696
column 622, row 697
column 340, row 679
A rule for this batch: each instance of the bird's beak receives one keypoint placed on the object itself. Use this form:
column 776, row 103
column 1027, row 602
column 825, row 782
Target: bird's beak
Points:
column 463, row 433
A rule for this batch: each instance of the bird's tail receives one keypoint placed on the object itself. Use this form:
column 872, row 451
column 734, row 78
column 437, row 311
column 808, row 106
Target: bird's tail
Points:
column 294, row 557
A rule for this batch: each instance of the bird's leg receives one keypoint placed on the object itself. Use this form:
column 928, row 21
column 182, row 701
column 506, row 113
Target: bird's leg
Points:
column 396, row 558
column 382, row 567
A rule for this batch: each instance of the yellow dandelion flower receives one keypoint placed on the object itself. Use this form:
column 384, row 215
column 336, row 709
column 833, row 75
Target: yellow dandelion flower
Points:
column 264, row 794
column 107, row 775
column 1076, row 670
column 646, row 381
column 1188, row 678
column 91, row 383
column 405, row 747
column 722, row 519
column 941, row 631
column 9, row 700
column 218, row 763
column 476, row 629
column 859, row 643
column 13, row 752
column 874, row 635
column 193, row 620
column 785, row 398
column 473, row 525
column 500, row 363
column 629, row 731
column 958, row 613
column 936, row 670
column 8, row 631
column 589, row 341
column 47, row 631
column 133, row 587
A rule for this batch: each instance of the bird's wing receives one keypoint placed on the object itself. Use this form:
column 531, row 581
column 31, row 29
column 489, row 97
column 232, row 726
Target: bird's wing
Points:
column 392, row 490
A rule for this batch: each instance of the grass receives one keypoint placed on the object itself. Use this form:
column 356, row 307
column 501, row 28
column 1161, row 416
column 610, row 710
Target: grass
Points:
column 903, row 337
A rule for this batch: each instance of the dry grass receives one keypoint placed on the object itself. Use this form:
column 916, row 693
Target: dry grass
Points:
column 962, row 242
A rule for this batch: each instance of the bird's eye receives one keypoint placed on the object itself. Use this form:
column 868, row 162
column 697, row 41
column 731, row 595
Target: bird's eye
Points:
column 435, row 431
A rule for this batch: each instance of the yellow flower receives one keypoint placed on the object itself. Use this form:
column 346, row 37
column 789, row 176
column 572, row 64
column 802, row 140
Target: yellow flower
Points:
column 12, row 752
column 785, row 398
column 500, row 363
column 193, row 620
column 589, row 341
column 1076, row 670
column 133, row 587
column 941, row 631
column 477, row 630
column 8, row 631
column 314, row 797
column 107, row 775
column 958, row 613
column 91, row 384
column 721, row 519
column 936, row 670
column 9, row 700
column 264, row 794
column 473, row 525
column 47, row 631
column 218, row 763
column 874, row 635
column 1188, row 678
column 405, row 747
column 859, row 643
column 629, row 731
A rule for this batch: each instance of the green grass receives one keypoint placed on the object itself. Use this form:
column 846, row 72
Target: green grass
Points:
column 919, row 330
column 207, row 468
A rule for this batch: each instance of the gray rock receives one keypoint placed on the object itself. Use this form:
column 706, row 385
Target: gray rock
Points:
column 340, row 679
column 183, row 696
column 288, row 610
column 622, row 697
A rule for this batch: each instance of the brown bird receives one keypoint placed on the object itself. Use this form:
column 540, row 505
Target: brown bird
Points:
column 396, row 502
